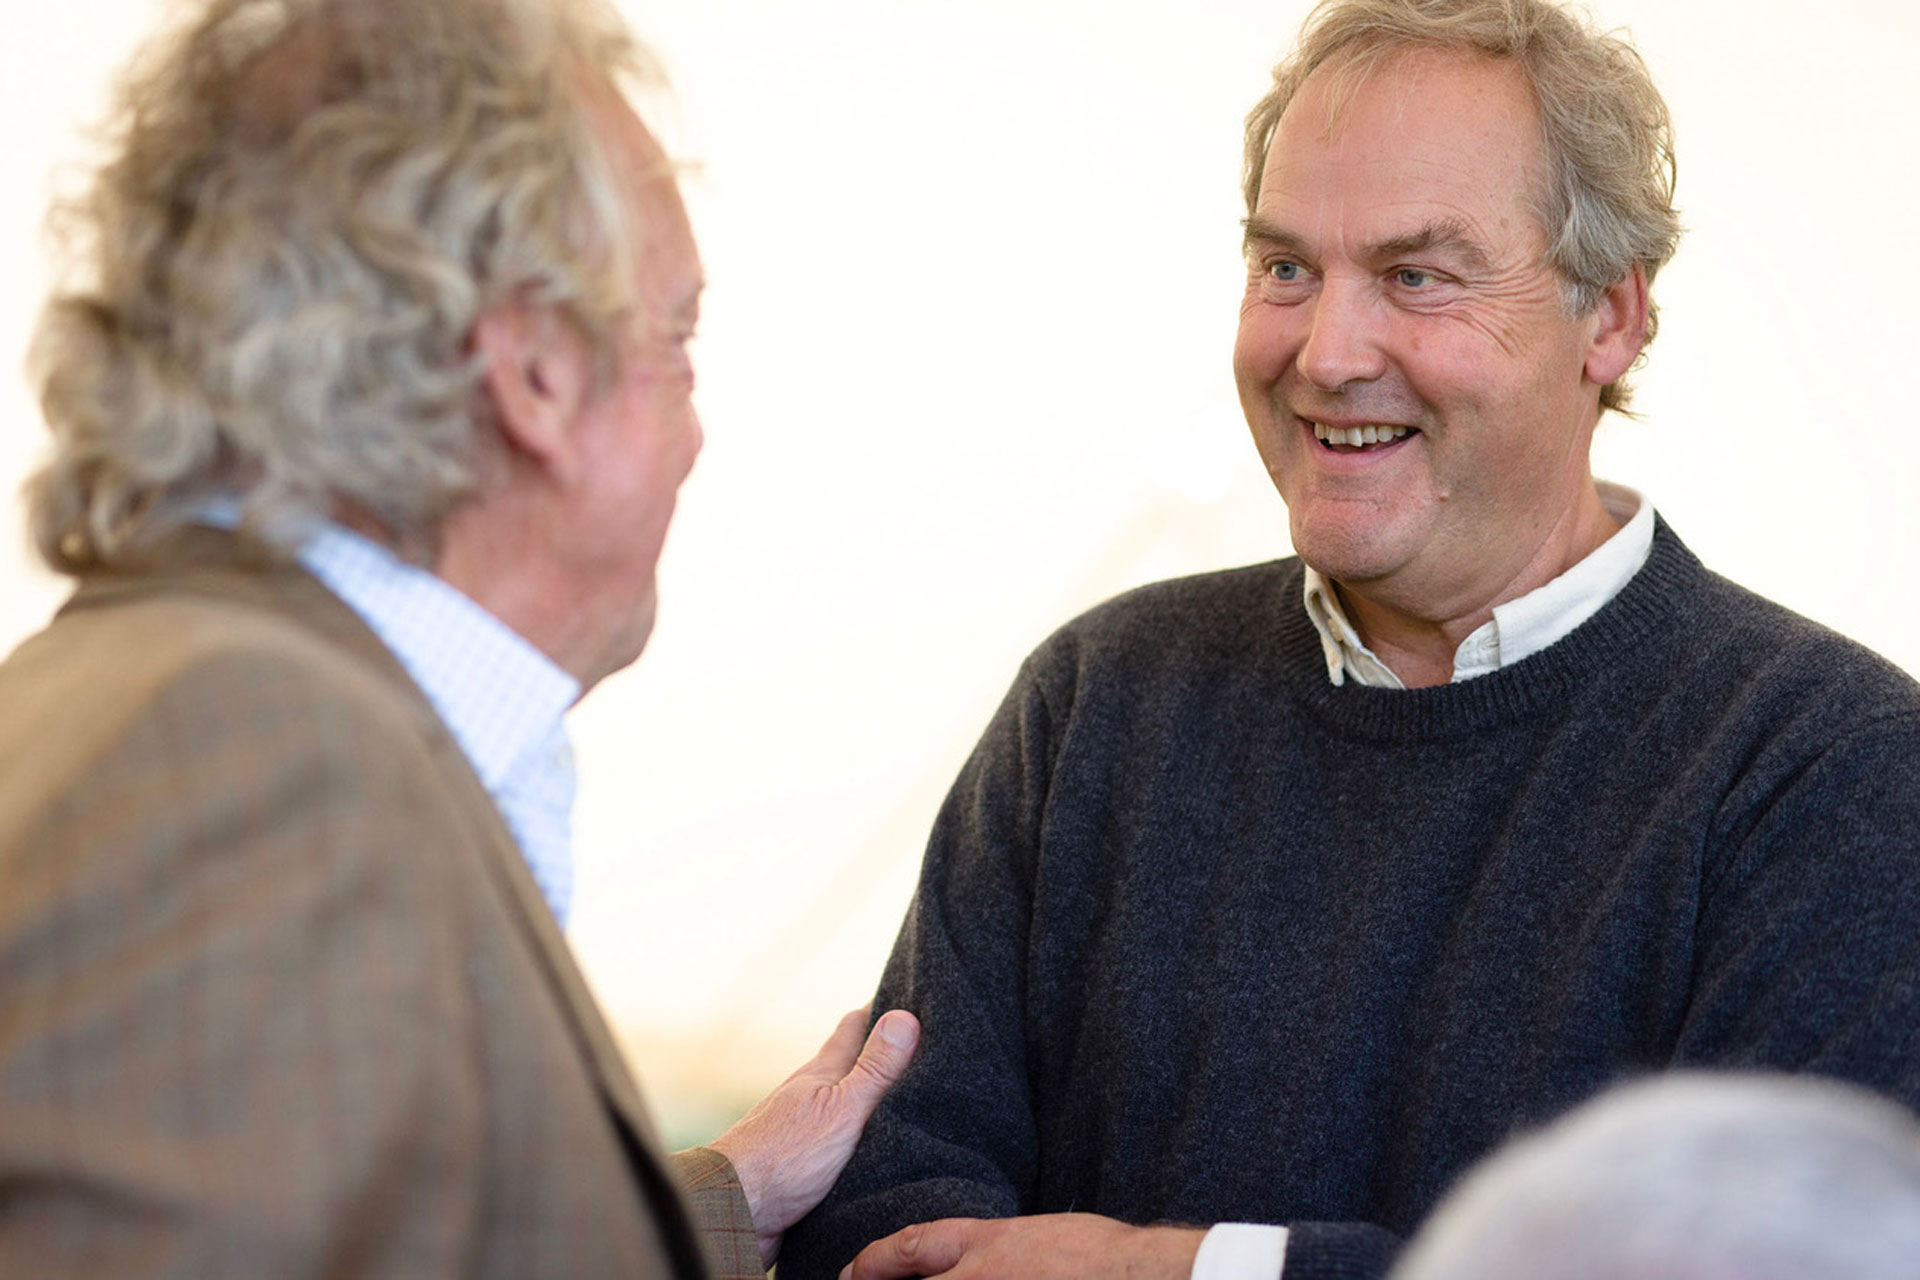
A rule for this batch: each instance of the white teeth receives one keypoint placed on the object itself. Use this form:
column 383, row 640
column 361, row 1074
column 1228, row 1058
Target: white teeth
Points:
column 1357, row 436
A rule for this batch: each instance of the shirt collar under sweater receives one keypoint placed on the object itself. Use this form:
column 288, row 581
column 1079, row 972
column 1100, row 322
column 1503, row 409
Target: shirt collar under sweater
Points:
column 1646, row 610
column 1520, row 627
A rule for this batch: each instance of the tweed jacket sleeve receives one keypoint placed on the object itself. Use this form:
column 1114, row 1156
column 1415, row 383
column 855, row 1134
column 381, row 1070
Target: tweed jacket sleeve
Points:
column 719, row 1208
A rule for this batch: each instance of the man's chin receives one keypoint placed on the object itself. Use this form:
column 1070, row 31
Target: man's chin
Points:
column 1348, row 557
column 623, row 649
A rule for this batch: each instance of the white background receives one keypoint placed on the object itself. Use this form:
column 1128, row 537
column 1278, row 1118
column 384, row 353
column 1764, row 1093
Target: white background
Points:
column 964, row 370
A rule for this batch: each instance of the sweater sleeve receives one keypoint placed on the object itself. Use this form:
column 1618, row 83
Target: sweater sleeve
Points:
column 1807, row 958
column 1338, row 1251
column 955, row 1137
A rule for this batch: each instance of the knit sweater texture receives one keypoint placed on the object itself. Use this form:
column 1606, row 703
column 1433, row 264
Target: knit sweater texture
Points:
column 1200, row 937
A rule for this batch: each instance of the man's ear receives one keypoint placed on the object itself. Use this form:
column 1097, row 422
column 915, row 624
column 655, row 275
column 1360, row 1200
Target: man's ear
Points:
column 539, row 375
column 1621, row 330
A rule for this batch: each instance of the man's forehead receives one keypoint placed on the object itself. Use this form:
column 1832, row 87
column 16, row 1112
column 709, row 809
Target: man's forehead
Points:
column 1424, row 148
column 1408, row 80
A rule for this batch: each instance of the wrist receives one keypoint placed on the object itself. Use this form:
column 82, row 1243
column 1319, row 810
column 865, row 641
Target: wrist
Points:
column 743, row 1172
column 1169, row 1251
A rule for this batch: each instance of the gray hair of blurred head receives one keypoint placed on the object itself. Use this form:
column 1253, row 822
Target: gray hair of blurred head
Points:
column 1606, row 199
column 271, row 283
column 1692, row 1177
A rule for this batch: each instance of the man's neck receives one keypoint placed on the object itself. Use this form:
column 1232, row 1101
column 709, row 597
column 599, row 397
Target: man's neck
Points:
column 1418, row 644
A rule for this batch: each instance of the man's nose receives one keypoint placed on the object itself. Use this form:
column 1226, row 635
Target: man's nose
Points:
column 1343, row 341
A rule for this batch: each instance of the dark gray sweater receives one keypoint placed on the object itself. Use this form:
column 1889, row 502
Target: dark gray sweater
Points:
column 1201, row 937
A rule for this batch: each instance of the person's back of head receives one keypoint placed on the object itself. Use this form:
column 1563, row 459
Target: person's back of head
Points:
column 1692, row 1177
column 273, row 280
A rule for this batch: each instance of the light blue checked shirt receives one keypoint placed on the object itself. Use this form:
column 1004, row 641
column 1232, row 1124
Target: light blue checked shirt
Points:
column 501, row 698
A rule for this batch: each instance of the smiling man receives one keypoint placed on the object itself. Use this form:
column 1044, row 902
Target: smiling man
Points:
column 1419, row 391
column 1272, row 898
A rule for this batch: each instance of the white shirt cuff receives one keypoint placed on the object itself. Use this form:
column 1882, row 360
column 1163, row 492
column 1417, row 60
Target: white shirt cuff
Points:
column 1241, row 1251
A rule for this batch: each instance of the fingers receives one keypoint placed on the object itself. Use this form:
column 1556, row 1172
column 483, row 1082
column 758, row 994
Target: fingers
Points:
column 864, row 1073
column 924, row 1249
column 836, row 1056
column 889, row 1049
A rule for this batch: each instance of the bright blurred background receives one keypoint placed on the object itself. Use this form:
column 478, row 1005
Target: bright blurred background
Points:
column 964, row 371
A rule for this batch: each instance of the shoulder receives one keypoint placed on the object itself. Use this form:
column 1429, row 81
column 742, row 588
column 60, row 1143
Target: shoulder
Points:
column 1775, row 702
column 175, row 694
column 114, row 662
column 1824, row 715
column 1229, row 611
column 1741, row 638
column 1680, row 627
column 210, row 773
column 1169, row 651
column 1756, row 629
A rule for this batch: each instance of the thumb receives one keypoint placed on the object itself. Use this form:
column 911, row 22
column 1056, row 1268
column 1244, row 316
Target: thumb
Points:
column 888, row 1051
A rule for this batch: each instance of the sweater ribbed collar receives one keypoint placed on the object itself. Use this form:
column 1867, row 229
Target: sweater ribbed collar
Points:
column 1644, row 612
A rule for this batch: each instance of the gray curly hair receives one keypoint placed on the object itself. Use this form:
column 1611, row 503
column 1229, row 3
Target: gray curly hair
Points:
column 1607, row 203
column 273, row 281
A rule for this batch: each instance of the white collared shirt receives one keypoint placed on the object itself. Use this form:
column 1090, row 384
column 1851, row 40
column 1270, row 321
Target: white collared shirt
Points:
column 502, row 699
column 1519, row 628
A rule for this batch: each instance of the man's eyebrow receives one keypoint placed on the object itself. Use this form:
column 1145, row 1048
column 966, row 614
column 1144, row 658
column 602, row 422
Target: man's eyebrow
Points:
column 1258, row 229
column 1447, row 235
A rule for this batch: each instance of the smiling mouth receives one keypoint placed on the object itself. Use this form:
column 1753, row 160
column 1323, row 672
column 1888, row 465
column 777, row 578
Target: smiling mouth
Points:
column 1370, row 436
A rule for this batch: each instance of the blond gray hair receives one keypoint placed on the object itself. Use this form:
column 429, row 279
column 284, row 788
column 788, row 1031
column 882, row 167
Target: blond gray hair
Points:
column 1607, row 199
column 273, row 280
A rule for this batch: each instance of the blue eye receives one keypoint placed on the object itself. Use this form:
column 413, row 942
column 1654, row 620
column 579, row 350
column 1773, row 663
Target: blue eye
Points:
column 1284, row 271
column 1413, row 277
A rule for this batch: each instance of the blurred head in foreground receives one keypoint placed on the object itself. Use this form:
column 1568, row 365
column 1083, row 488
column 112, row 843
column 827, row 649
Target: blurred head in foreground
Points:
column 1692, row 1177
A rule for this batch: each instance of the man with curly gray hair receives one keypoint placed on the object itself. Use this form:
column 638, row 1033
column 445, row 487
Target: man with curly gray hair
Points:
column 1273, row 898
column 370, row 397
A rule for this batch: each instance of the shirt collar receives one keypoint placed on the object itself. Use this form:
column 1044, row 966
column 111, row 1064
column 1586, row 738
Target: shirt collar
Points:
column 1519, row 628
column 500, row 697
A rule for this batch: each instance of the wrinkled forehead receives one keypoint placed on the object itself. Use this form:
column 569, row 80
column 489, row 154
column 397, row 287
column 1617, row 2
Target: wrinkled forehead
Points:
column 1412, row 120
column 1418, row 84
